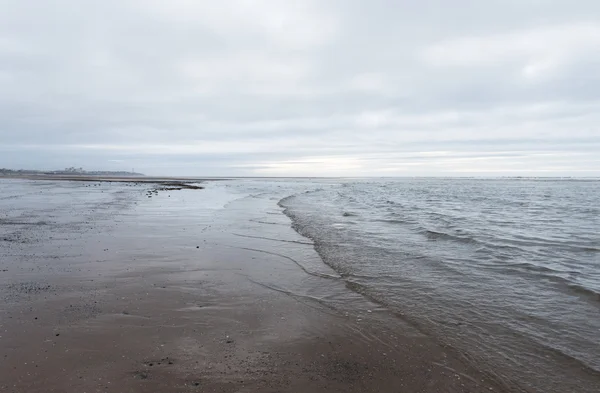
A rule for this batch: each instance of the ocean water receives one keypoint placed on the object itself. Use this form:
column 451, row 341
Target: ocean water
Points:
column 506, row 272
column 503, row 272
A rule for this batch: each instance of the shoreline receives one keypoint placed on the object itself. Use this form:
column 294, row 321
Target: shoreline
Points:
column 115, row 179
column 165, row 295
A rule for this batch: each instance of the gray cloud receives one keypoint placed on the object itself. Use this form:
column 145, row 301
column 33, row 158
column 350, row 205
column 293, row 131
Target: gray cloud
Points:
column 302, row 88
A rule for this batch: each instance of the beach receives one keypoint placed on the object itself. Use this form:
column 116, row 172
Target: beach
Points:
column 116, row 287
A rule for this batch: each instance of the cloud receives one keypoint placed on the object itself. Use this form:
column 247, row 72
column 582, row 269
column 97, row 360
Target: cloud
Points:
column 301, row 88
column 534, row 52
column 290, row 26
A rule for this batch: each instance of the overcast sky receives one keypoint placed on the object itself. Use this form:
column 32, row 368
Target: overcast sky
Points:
column 270, row 88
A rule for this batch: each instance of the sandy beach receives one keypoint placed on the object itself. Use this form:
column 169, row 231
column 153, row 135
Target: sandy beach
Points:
column 113, row 287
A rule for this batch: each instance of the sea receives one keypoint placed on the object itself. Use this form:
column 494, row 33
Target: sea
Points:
column 503, row 272
column 506, row 271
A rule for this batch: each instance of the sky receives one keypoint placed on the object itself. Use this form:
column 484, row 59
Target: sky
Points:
column 302, row 88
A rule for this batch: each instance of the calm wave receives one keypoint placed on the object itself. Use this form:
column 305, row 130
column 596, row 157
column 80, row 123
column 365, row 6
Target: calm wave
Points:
column 507, row 272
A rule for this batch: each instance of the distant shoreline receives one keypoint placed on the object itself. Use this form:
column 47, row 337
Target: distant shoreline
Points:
column 101, row 178
column 155, row 179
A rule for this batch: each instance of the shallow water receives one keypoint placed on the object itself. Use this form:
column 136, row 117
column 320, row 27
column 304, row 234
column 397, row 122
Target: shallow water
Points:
column 505, row 271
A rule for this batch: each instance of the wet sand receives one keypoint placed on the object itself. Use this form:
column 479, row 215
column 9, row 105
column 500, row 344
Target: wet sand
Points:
column 111, row 291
